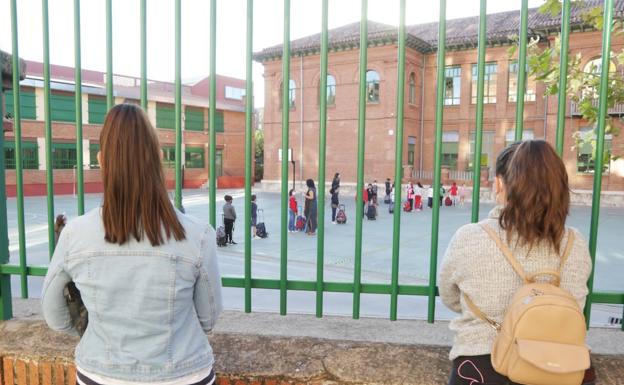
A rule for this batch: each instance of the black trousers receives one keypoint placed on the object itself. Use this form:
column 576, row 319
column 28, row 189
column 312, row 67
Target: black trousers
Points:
column 229, row 228
column 477, row 370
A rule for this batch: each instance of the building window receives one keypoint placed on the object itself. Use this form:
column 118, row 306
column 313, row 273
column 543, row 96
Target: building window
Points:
column 529, row 94
column 28, row 104
column 194, row 157
column 94, row 148
column 30, row 155
column 489, row 91
column 510, row 136
column 450, row 146
column 168, row 159
column 594, row 66
column 194, row 118
column 372, row 87
column 331, row 90
column 487, row 150
column 62, row 107
column 292, row 93
column 585, row 159
column 452, row 85
column 97, row 109
column 234, row 93
column 165, row 116
column 412, row 89
column 411, row 150
column 64, row 155
column 219, row 121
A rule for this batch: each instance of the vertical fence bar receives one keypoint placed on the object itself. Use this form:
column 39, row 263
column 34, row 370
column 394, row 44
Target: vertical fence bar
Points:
column 248, row 155
column 521, row 85
column 144, row 54
column 178, row 104
column 435, row 218
column 78, row 95
column 563, row 76
column 6, row 309
column 212, row 118
column 109, row 55
column 285, row 127
column 600, row 139
column 398, row 161
column 359, row 208
column 320, row 245
column 17, row 127
column 48, row 126
column 476, row 162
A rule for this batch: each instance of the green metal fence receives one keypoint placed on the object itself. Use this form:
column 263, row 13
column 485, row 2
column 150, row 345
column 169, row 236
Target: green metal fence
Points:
column 283, row 284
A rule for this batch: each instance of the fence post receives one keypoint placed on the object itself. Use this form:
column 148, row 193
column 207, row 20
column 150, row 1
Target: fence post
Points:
column 476, row 163
column 521, row 85
column 563, row 76
column 212, row 118
column 248, row 148
column 285, row 137
column 6, row 309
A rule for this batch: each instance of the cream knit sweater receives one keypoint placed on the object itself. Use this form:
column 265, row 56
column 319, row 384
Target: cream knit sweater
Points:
column 474, row 265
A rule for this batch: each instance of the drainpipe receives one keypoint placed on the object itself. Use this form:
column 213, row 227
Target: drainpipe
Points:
column 546, row 108
column 422, row 114
column 301, row 119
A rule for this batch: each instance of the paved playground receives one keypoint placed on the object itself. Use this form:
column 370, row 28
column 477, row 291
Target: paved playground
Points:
column 339, row 251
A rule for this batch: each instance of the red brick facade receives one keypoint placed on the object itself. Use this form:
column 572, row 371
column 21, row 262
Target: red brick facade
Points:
column 540, row 115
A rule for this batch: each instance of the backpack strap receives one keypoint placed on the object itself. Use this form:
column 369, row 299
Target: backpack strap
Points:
column 506, row 252
column 556, row 273
column 481, row 315
column 567, row 250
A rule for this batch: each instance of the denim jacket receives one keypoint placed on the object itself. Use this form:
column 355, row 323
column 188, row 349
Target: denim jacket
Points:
column 149, row 307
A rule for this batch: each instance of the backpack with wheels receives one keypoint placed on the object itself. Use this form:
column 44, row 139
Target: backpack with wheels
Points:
column 541, row 340
column 371, row 212
column 300, row 222
column 448, row 201
column 261, row 227
column 341, row 215
column 221, row 238
column 406, row 206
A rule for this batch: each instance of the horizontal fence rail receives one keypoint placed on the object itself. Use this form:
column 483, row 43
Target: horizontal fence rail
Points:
column 319, row 286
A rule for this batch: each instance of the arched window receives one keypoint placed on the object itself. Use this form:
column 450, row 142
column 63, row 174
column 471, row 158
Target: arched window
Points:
column 331, row 90
column 412, row 89
column 372, row 87
column 594, row 67
column 292, row 93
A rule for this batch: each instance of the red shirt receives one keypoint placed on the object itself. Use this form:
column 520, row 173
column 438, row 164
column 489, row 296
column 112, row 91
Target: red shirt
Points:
column 454, row 190
column 293, row 204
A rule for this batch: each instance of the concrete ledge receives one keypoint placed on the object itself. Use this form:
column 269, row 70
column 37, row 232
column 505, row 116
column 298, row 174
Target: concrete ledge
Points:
column 263, row 348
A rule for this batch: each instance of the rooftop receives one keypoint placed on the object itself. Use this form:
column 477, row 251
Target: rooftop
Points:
column 460, row 33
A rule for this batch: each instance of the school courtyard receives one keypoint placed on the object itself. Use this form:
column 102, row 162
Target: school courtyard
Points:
column 339, row 250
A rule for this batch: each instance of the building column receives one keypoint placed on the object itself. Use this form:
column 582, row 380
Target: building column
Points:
column 85, row 109
column 41, row 145
column 86, row 154
column 39, row 105
column 151, row 112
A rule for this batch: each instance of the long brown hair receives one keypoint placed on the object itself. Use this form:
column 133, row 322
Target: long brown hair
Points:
column 538, row 195
column 136, row 203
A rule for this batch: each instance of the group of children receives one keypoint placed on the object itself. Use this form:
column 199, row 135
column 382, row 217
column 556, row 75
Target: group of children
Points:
column 229, row 217
column 453, row 196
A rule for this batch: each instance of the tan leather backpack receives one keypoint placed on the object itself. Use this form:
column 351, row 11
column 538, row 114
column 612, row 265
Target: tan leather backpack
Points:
column 541, row 340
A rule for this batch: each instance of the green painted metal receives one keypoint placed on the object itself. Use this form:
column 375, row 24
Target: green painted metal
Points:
column 78, row 81
column 212, row 118
column 563, row 78
column 398, row 164
column 143, row 27
column 178, row 104
column 359, row 207
column 437, row 168
column 476, row 169
column 48, row 126
column 521, row 85
column 17, row 129
column 35, row 271
column 109, row 55
column 284, row 181
column 6, row 308
column 320, row 241
column 248, row 150
column 600, row 142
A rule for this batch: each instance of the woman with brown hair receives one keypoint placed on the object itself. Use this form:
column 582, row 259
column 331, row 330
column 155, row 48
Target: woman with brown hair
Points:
column 147, row 273
column 533, row 200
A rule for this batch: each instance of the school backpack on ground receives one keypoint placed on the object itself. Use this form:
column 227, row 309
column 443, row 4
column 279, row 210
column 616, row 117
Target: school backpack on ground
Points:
column 371, row 212
column 300, row 223
column 448, row 201
column 541, row 340
column 341, row 215
column 221, row 238
column 260, row 227
column 406, row 206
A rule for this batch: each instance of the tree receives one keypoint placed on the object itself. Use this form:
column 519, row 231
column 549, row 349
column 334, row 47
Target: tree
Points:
column 582, row 81
column 259, row 154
